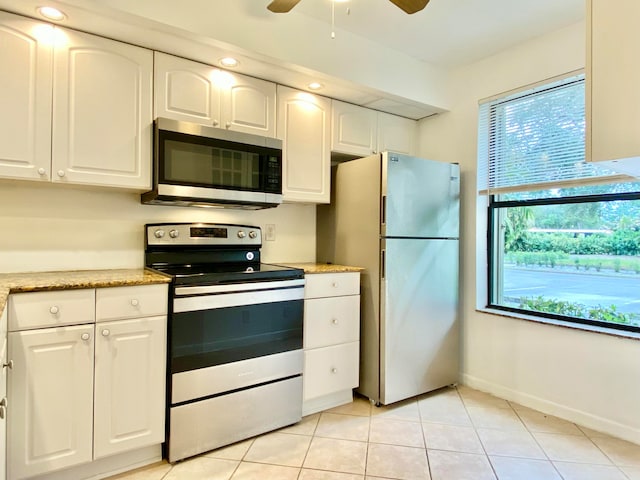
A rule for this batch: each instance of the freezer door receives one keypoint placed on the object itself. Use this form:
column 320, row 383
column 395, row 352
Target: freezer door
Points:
column 419, row 349
column 420, row 198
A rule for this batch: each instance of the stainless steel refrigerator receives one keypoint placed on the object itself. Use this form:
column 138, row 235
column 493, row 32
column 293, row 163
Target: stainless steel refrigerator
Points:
column 398, row 216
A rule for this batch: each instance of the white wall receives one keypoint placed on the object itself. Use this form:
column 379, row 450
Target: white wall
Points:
column 590, row 378
column 56, row 227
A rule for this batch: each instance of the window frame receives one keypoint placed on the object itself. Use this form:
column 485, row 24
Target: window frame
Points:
column 494, row 250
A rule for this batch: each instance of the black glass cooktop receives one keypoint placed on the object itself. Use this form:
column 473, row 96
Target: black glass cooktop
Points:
column 212, row 274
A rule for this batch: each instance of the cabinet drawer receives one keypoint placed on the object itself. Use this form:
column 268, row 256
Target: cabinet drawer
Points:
column 330, row 369
column 331, row 284
column 131, row 302
column 330, row 321
column 51, row 309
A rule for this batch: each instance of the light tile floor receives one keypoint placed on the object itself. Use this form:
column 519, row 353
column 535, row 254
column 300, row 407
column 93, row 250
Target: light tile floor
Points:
column 452, row 434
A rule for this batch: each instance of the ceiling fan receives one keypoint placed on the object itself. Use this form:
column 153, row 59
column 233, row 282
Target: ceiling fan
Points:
column 409, row 6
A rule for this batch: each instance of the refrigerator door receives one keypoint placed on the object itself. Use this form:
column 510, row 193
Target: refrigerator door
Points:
column 418, row 323
column 420, row 198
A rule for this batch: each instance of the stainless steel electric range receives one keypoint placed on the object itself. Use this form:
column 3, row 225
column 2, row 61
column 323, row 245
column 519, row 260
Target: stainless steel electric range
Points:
column 235, row 335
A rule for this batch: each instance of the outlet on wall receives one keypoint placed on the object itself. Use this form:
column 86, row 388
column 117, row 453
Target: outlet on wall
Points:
column 270, row 232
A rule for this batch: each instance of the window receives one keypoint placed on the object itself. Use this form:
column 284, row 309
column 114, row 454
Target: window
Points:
column 563, row 234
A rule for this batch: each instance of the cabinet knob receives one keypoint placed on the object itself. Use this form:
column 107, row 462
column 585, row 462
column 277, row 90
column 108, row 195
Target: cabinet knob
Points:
column 3, row 412
column 85, row 336
column 216, row 123
column 334, row 370
column 54, row 310
column 61, row 173
column 334, row 321
column 105, row 332
column 41, row 171
column 334, row 284
column 134, row 302
column 228, row 124
column 9, row 364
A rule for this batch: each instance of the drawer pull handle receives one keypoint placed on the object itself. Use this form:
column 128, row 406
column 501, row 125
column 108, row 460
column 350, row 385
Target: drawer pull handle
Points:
column 334, row 370
column 334, row 321
column 54, row 310
column 9, row 365
column 85, row 336
column 105, row 332
column 135, row 302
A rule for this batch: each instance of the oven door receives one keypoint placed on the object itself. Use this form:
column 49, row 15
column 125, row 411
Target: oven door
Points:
column 222, row 324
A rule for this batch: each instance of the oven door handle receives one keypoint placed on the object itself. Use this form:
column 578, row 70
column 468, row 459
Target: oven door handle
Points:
column 237, row 287
column 236, row 299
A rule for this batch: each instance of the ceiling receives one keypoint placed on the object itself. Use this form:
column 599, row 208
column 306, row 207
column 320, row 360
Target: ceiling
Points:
column 381, row 57
column 449, row 33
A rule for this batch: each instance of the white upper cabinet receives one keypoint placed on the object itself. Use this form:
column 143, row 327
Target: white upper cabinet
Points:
column 25, row 96
column 102, row 111
column 361, row 131
column 76, row 108
column 304, row 122
column 195, row 92
column 396, row 134
column 353, row 129
column 612, row 94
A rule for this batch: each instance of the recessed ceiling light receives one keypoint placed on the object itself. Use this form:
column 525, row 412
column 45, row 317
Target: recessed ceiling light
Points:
column 229, row 62
column 315, row 86
column 51, row 13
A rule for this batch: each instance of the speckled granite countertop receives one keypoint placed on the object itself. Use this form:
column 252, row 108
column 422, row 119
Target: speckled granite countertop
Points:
column 323, row 267
column 39, row 281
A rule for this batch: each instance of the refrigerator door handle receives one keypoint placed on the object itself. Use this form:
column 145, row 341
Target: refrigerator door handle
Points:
column 382, row 264
column 383, row 209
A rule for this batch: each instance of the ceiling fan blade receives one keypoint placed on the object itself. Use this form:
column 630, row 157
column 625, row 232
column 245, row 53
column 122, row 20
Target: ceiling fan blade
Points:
column 282, row 6
column 410, row 6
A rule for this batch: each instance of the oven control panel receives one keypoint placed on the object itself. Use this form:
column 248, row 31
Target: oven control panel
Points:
column 202, row 234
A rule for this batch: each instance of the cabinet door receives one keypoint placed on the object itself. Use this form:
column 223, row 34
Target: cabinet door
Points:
column 51, row 399
column 101, row 112
column 249, row 105
column 353, row 129
column 612, row 99
column 3, row 395
column 304, row 121
column 25, row 96
column 185, row 90
column 396, row 134
column 129, row 385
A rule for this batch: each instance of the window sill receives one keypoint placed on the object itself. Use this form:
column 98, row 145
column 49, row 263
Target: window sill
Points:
column 560, row 323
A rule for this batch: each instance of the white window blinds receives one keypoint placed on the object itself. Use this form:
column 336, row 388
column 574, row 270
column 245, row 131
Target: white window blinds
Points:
column 535, row 140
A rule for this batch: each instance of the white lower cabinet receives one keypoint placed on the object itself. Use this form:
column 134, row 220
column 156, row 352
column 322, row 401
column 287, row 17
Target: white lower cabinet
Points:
column 129, row 397
column 3, row 395
column 80, row 393
column 50, row 399
column 331, row 340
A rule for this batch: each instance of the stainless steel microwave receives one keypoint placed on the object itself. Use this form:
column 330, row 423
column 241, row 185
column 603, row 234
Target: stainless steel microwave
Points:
column 197, row 165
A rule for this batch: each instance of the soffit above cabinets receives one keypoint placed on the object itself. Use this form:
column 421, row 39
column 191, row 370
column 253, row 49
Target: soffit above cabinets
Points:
column 92, row 16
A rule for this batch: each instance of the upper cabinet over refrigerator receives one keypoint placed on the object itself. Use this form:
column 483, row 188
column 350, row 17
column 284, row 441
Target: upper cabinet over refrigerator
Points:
column 406, row 210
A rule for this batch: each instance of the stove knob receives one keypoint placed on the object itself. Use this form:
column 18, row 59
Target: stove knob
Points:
column 241, row 234
column 253, row 234
column 159, row 233
column 174, row 233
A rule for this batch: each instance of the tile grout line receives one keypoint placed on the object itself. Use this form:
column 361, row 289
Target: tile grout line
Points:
column 537, row 442
column 475, row 430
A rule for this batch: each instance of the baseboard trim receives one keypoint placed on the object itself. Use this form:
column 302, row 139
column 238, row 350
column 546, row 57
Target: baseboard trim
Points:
column 579, row 417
